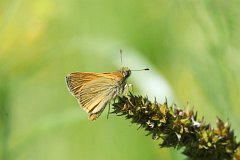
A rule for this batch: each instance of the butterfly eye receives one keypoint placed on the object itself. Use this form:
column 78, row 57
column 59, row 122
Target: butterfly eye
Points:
column 126, row 73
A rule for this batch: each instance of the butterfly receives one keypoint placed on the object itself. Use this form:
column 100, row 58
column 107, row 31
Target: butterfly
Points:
column 94, row 90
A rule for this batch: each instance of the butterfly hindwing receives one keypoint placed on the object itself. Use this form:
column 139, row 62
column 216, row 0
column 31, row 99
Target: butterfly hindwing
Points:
column 96, row 91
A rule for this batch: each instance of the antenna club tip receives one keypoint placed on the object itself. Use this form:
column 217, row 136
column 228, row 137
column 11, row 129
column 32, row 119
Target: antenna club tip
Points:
column 145, row 69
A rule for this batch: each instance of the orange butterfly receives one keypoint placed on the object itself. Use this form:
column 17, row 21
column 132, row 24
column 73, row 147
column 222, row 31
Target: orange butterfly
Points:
column 94, row 90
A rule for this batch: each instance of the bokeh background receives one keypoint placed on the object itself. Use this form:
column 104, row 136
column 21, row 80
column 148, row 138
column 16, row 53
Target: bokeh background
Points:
column 191, row 46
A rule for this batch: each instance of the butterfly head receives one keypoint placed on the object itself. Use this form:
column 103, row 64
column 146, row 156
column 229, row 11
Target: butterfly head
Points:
column 126, row 72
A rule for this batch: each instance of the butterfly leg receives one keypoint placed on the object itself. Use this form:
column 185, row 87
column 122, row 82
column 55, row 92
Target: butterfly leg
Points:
column 128, row 88
column 108, row 110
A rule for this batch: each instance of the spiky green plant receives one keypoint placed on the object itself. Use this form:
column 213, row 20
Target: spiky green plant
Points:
column 180, row 128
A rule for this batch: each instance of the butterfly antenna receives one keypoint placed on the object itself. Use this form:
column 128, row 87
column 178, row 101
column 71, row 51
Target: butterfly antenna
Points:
column 145, row 69
column 121, row 56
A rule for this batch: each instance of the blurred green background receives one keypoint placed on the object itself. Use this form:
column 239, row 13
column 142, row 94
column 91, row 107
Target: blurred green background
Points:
column 194, row 44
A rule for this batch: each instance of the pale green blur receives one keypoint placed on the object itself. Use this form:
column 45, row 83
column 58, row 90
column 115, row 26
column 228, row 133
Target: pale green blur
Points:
column 193, row 43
